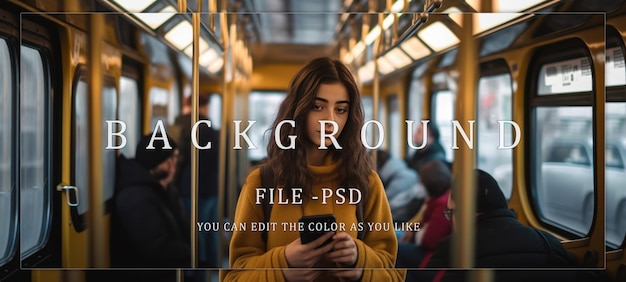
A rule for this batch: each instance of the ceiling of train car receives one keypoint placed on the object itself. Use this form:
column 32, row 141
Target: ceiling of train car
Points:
column 292, row 31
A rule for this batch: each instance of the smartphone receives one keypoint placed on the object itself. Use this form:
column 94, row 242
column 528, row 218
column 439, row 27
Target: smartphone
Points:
column 315, row 226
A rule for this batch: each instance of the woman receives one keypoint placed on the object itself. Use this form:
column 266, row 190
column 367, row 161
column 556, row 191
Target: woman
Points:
column 324, row 90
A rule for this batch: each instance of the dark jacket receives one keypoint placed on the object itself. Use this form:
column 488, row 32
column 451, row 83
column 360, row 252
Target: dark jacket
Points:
column 208, row 159
column 503, row 242
column 432, row 152
column 148, row 227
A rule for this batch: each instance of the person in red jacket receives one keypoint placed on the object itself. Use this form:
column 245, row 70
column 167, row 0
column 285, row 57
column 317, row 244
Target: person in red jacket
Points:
column 415, row 248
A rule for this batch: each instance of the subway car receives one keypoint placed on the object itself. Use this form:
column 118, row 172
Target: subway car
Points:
column 537, row 89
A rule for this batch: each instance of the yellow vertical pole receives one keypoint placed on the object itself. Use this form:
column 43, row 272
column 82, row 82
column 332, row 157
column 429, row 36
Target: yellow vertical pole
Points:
column 194, row 151
column 232, row 96
column 182, row 6
column 376, row 80
column 212, row 14
column 465, row 158
column 223, row 170
column 97, row 231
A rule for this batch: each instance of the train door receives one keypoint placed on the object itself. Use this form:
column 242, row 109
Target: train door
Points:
column 84, row 142
column 76, row 165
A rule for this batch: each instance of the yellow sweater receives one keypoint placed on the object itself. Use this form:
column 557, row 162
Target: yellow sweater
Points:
column 376, row 253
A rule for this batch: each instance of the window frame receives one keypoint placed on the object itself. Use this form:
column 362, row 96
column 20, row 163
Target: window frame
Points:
column 489, row 69
column 560, row 51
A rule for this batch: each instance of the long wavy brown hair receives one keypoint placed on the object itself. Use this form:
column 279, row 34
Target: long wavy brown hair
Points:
column 289, row 166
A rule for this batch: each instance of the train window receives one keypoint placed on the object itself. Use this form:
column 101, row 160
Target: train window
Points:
column 159, row 98
column 569, row 76
column 415, row 104
column 264, row 113
column 615, row 67
column 615, row 170
column 494, row 104
column 415, row 99
column 443, row 114
column 81, row 149
column 7, row 203
column 130, row 113
column 614, row 158
column 173, row 103
column 215, row 111
column 562, row 153
column 109, row 112
column 34, row 148
column 393, row 130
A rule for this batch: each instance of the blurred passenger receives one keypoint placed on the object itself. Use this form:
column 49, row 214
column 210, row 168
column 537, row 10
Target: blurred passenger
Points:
column 404, row 192
column 208, row 175
column 503, row 242
column 433, row 149
column 416, row 248
column 148, row 225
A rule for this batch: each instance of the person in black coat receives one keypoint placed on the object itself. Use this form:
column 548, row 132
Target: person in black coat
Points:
column 148, row 225
column 503, row 242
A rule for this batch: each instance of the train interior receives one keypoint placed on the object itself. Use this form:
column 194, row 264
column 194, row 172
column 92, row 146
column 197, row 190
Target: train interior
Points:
column 70, row 69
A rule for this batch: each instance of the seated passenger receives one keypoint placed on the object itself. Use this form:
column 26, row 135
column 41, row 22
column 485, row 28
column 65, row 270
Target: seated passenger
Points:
column 404, row 192
column 503, row 242
column 148, row 225
column 416, row 247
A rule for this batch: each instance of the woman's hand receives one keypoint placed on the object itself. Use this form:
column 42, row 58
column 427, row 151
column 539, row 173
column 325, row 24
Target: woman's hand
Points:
column 300, row 255
column 345, row 253
column 344, row 250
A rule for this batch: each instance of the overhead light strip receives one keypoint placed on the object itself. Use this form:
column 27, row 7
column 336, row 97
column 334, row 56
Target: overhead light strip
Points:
column 155, row 20
column 180, row 35
column 438, row 36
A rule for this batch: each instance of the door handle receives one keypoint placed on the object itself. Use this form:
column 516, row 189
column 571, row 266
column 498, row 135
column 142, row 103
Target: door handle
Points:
column 71, row 193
